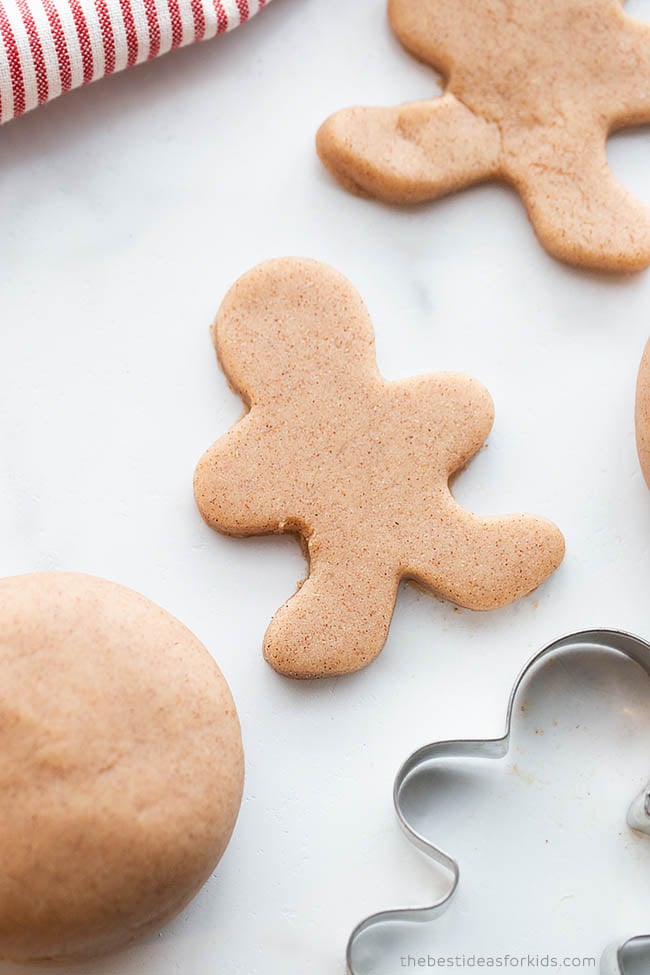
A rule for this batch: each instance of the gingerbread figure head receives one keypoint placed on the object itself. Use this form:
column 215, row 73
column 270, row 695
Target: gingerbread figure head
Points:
column 267, row 352
column 358, row 467
column 532, row 91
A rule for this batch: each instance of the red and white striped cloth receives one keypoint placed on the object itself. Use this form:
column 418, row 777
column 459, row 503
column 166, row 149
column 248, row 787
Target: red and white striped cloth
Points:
column 48, row 47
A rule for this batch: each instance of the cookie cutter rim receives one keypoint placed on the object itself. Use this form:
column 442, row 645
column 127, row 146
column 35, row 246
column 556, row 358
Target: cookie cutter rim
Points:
column 614, row 961
column 618, row 641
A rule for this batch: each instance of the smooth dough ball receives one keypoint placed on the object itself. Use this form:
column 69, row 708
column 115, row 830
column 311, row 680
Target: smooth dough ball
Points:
column 643, row 414
column 121, row 766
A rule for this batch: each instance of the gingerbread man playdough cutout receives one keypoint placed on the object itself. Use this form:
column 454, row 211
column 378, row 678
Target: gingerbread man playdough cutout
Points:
column 532, row 90
column 358, row 467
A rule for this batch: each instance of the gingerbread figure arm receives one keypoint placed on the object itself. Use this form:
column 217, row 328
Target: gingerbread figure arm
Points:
column 234, row 484
column 411, row 153
column 579, row 210
column 445, row 418
column 338, row 620
column 484, row 563
column 629, row 91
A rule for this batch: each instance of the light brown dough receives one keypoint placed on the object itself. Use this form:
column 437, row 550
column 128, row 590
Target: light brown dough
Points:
column 532, row 91
column 643, row 414
column 121, row 766
column 357, row 466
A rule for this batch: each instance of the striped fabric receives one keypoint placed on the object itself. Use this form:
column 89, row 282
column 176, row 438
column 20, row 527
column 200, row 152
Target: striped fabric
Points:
column 48, row 47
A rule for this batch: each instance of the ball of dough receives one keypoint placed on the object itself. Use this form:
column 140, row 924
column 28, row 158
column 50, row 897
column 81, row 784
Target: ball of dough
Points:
column 121, row 766
column 643, row 414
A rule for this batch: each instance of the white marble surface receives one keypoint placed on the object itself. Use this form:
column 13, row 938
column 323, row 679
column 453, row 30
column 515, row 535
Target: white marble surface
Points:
column 127, row 210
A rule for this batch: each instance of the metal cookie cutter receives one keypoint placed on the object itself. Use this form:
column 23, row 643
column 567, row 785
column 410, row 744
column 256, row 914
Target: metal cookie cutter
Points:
column 616, row 960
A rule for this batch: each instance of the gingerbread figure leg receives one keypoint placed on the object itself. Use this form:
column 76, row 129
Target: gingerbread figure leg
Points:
column 411, row 153
column 484, row 563
column 580, row 211
column 338, row 620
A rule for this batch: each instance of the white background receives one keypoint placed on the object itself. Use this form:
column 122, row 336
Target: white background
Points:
column 127, row 210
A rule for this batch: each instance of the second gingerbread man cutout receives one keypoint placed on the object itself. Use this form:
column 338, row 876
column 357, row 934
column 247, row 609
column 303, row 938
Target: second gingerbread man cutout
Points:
column 533, row 89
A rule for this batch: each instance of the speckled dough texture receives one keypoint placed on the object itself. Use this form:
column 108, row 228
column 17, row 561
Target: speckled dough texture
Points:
column 121, row 766
column 357, row 466
column 532, row 90
column 643, row 414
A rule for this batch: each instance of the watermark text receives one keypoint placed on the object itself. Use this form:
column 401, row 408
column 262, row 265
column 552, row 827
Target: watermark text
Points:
column 530, row 962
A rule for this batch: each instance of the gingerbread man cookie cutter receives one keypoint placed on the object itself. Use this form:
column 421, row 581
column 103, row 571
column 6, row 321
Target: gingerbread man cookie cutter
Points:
column 532, row 91
column 616, row 959
column 357, row 467
column 619, row 960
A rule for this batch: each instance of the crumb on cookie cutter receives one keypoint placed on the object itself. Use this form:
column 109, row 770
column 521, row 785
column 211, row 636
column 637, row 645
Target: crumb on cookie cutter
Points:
column 615, row 960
